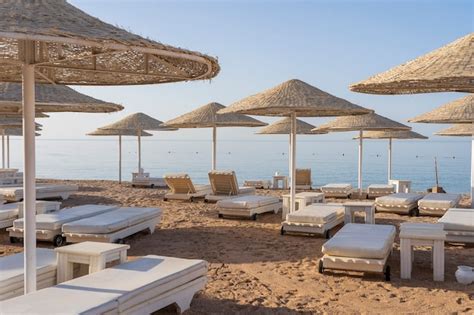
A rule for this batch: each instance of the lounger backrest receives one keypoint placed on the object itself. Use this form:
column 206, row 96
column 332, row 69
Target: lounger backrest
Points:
column 224, row 183
column 180, row 183
column 303, row 176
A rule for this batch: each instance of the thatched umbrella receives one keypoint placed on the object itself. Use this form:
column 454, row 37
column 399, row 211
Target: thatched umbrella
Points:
column 283, row 127
column 12, row 132
column 458, row 130
column 51, row 41
column 291, row 99
column 448, row 68
column 119, row 133
column 137, row 123
column 390, row 135
column 206, row 117
column 362, row 123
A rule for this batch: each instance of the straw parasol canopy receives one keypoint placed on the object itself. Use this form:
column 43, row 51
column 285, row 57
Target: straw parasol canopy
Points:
column 19, row 115
column 207, row 116
column 119, row 133
column 449, row 68
column 76, row 48
column 52, row 98
column 291, row 99
column 361, row 123
column 459, row 130
column 283, row 127
column 455, row 112
column 402, row 135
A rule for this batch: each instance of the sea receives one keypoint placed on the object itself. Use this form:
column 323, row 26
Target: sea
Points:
column 331, row 161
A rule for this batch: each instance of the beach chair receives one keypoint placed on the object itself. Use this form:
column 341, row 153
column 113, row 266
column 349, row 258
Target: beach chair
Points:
column 359, row 247
column 12, row 211
column 43, row 191
column 49, row 225
column 224, row 186
column 248, row 206
column 182, row 188
column 142, row 179
column 437, row 204
column 379, row 190
column 337, row 190
column 303, row 178
column 10, row 176
column 459, row 225
column 142, row 286
column 258, row 183
column 315, row 219
column 112, row 226
column 401, row 203
column 12, row 272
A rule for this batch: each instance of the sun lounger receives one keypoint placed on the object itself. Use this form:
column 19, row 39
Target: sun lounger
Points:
column 315, row 219
column 10, row 176
column 303, row 178
column 12, row 211
column 142, row 286
column 182, row 188
column 258, row 183
column 224, row 185
column 43, row 191
column 248, row 206
column 48, row 226
column 144, row 180
column 438, row 204
column 459, row 224
column 112, row 226
column 402, row 203
column 337, row 190
column 379, row 190
column 11, row 275
column 359, row 247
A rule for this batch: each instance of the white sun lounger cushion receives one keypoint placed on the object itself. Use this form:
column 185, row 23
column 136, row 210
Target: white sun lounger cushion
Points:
column 40, row 189
column 439, row 201
column 361, row 241
column 12, row 266
column 111, row 221
column 316, row 214
column 247, row 202
column 110, row 289
column 399, row 199
column 54, row 221
column 456, row 219
column 8, row 211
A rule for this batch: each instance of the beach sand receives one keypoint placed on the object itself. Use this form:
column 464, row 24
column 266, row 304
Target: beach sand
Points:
column 252, row 269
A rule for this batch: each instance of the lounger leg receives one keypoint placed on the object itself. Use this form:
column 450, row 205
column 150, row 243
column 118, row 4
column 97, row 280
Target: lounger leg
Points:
column 438, row 260
column 184, row 303
column 405, row 258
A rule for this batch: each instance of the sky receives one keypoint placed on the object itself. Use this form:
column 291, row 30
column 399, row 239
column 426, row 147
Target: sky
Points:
column 259, row 44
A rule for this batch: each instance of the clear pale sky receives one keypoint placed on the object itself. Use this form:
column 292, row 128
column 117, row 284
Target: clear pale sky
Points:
column 328, row 44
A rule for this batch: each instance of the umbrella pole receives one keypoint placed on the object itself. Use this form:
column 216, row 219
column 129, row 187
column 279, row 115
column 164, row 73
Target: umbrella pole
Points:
column 29, row 187
column 8, row 151
column 289, row 156
column 389, row 160
column 3, row 148
column 293, row 162
column 214, row 146
column 120, row 159
column 139, row 151
column 360, row 162
column 472, row 169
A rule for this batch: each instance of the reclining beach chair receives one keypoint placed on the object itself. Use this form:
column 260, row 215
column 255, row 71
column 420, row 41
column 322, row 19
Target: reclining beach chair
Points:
column 43, row 191
column 112, row 226
column 337, row 190
column 224, row 186
column 12, row 273
column 359, row 247
column 142, row 286
column 379, row 190
column 12, row 211
column 459, row 225
column 182, row 188
column 248, row 206
column 303, row 178
column 401, row 203
column 438, row 204
column 315, row 219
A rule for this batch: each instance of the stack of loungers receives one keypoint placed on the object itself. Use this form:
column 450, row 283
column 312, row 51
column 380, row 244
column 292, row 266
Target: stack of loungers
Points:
column 337, row 190
column 402, row 203
column 142, row 286
column 112, row 226
column 379, row 190
column 438, row 204
column 11, row 275
column 459, row 225
column 248, row 206
column 43, row 191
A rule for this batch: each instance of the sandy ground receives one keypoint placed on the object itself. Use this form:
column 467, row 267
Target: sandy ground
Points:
column 252, row 269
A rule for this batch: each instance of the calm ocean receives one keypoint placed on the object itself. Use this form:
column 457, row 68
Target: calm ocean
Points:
column 330, row 161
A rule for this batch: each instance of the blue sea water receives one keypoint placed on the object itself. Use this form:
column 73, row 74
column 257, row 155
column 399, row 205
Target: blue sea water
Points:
column 330, row 161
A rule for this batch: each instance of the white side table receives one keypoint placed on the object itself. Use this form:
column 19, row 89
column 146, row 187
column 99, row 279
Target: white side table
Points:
column 422, row 234
column 351, row 207
column 94, row 254
column 280, row 178
column 302, row 200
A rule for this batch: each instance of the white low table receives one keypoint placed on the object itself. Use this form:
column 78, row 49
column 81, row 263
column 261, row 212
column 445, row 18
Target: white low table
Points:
column 94, row 254
column 351, row 207
column 280, row 178
column 422, row 234
column 302, row 200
